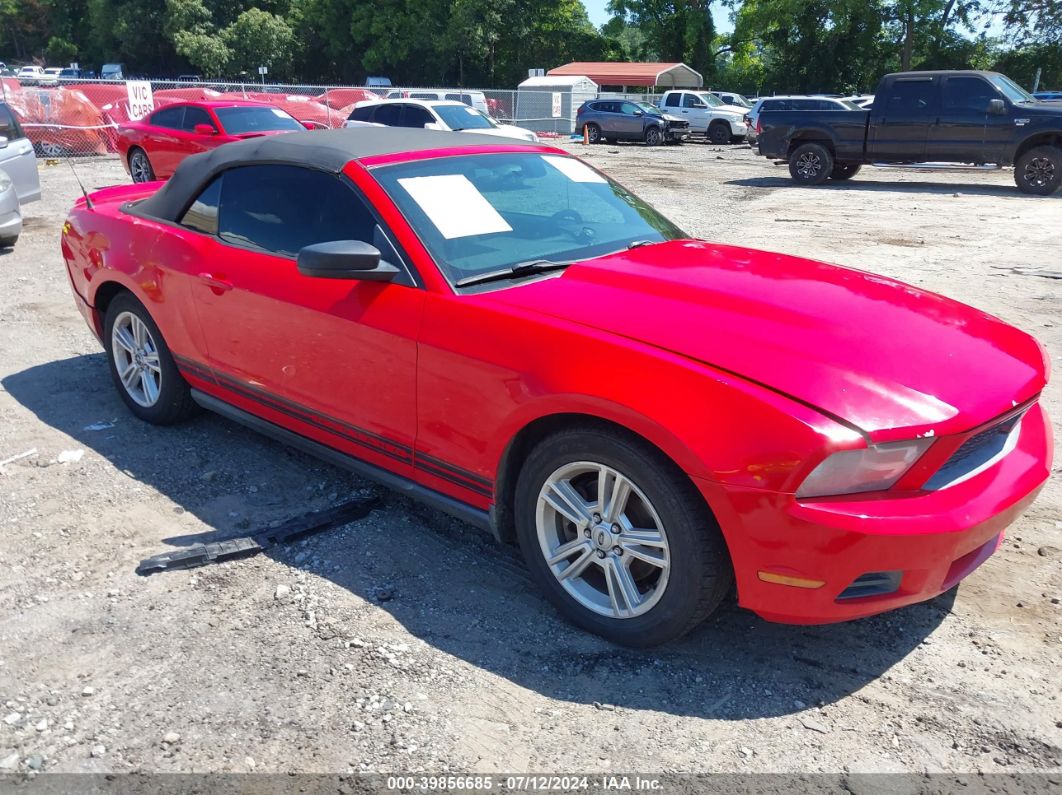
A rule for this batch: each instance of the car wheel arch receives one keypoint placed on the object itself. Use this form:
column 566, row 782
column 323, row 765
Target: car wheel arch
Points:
column 1039, row 139
column 799, row 139
column 531, row 433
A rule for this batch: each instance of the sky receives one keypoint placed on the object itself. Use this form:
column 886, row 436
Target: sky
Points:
column 599, row 15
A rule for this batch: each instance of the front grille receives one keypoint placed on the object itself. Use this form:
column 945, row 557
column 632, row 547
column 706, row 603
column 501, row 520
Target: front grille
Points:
column 873, row 583
column 975, row 454
column 679, row 125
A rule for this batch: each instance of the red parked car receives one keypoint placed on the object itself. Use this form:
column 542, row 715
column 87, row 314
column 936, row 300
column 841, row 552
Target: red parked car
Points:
column 506, row 333
column 153, row 148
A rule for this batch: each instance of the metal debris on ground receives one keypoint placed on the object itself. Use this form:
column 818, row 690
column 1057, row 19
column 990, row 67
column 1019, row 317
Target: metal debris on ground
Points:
column 246, row 546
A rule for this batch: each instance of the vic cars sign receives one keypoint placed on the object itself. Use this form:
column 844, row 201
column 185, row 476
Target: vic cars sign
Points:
column 141, row 102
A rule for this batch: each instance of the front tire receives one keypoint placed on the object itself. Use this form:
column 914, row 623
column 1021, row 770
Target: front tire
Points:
column 8, row 242
column 844, row 171
column 141, row 365
column 1039, row 170
column 653, row 136
column 719, row 133
column 618, row 539
column 140, row 167
column 811, row 164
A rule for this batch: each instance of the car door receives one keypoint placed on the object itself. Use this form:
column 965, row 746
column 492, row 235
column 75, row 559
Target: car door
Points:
column 336, row 357
column 17, row 157
column 900, row 120
column 189, row 142
column 696, row 110
column 631, row 120
column 161, row 142
column 961, row 131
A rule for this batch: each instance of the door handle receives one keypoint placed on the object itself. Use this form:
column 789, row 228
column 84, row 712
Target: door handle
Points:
column 215, row 283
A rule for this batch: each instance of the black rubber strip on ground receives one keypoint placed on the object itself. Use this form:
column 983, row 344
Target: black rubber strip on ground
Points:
column 245, row 546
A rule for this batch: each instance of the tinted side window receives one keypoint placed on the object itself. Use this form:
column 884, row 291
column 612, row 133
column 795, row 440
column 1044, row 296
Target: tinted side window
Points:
column 774, row 104
column 968, row 94
column 423, row 95
column 194, row 116
column 691, row 101
column 168, row 117
column 466, row 98
column 629, row 108
column 909, row 96
column 9, row 126
column 282, row 209
column 416, row 116
column 391, row 115
column 361, row 114
column 202, row 216
column 673, row 100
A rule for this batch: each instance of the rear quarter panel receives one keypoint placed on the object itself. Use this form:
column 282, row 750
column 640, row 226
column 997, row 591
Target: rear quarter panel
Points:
column 845, row 130
column 105, row 246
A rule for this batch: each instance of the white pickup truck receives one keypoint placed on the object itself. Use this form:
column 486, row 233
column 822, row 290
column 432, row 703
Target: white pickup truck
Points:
column 707, row 115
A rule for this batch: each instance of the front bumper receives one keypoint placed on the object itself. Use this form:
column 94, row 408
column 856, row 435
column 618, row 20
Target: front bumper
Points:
column 10, row 223
column 932, row 538
column 739, row 128
column 682, row 134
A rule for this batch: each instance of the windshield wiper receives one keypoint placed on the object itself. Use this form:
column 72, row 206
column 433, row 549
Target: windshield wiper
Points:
column 640, row 243
column 519, row 269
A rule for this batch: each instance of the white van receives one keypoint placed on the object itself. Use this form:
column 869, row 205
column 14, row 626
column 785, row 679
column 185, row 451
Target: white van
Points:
column 476, row 99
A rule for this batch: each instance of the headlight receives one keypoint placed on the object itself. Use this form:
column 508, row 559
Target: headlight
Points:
column 5, row 182
column 874, row 468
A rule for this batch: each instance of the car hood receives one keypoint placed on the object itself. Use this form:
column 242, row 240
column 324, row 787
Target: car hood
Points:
column 736, row 109
column 888, row 358
column 505, row 130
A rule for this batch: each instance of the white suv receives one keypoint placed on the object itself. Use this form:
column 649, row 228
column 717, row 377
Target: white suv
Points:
column 476, row 99
column 422, row 113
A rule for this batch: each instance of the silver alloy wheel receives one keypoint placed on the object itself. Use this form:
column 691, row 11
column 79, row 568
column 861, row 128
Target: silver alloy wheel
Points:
column 809, row 164
column 652, row 136
column 1039, row 172
column 139, row 167
column 603, row 540
column 136, row 359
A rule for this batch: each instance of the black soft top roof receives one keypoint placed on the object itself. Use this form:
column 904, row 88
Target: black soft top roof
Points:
column 325, row 150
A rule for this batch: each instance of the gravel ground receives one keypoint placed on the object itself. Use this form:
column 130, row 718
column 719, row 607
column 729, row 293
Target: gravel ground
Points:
column 407, row 641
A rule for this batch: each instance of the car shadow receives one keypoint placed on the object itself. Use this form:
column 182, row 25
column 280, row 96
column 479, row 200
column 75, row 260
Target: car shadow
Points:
column 450, row 585
column 858, row 184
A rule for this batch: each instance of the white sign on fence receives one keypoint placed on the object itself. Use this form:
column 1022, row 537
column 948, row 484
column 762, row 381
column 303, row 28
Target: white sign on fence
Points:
column 558, row 104
column 141, row 102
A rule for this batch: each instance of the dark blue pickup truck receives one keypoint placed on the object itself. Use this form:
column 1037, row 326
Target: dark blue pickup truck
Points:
column 924, row 117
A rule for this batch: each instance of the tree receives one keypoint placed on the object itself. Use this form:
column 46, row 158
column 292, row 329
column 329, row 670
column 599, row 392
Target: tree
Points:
column 259, row 38
column 60, row 51
column 675, row 30
column 1037, row 21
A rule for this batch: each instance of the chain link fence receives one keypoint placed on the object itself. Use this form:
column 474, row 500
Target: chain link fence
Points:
column 80, row 118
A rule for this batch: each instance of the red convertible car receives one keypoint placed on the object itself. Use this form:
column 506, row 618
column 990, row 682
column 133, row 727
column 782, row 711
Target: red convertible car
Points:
column 153, row 148
column 504, row 332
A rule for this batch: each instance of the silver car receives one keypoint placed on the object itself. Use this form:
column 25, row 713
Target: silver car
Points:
column 10, row 212
column 17, row 157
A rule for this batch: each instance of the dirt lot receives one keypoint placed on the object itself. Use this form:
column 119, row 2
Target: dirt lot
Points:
column 408, row 641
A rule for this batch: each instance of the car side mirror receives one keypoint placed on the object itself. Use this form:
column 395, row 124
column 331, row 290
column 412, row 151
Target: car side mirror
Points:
column 204, row 129
column 639, row 113
column 345, row 259
column 432, row 125
column 996, row 107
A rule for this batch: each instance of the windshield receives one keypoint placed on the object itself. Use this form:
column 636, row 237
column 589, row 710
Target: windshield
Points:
column 652, row 110
column 1010, row 89
column 249, row 119
column 711, row 99
column 462, row 117
column 486, row 212
column 740, row 101
column 849, row 105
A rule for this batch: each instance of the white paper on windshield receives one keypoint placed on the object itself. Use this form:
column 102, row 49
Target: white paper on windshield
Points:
column 279, row 113
column 573, row 169
column 454, row 205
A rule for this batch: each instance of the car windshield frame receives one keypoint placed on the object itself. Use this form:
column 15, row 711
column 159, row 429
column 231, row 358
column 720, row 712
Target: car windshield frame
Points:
column 512, row 233
column 710, row 99
column 451, row 113
column 233, row 113
column 651, row 110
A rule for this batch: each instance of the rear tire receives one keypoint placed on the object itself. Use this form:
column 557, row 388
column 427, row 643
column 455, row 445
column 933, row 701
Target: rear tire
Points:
column 152, row 388
column 139, row 166
column 810, row 164
column 719, row 132
column 593, row 133
column 1039, row 170
column 843, row 171
column 661, row 518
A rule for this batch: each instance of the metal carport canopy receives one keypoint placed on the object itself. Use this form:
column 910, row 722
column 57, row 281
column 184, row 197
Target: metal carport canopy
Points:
column 606, row 73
